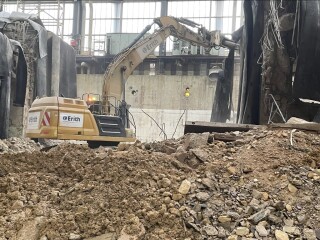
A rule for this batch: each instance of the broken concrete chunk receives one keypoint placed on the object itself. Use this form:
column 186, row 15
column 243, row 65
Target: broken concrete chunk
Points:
column 30, row 230
column 232, row 170
column 17, row 204
column 292, row 188
column 291, row 230
column 254, row 202
column 288, row 207
column 242, row 231
column 184, row 187
column 224, row 219
column 302, row 218
column 202, row 196
column 288, row 229
column 181, row 156
column 210, row 230
column 259, row 216
column 165, row 182
column 280, row 235
column 208, row 183
column 233, row 215
column 274, row 219
column 134, row 231
column 256, row 194
column 261, row 231
column 288, row 222
column 200, row 154
column 265, row 196
column 309, row 234
column 194, row 140
column 74, row 236
column 177, row 196
column 168, row 150
column 174, row 211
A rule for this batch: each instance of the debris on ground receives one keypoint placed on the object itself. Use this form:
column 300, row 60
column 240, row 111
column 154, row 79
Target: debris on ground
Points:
column 15, row 145
column 255, row 185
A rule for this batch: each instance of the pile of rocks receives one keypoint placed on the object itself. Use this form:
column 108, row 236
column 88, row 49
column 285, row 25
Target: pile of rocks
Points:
column 217, row 208
column 260, row 184
column 237, row 200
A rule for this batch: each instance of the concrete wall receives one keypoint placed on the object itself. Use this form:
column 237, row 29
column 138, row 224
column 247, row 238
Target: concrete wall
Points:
column 171, row 121
column 167, row 92
column 159, row 91
column 161, row 97
column 89, row 83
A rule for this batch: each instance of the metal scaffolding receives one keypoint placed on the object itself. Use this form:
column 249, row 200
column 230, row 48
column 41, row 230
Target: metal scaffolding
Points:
column 51, row 14
column 102, row 17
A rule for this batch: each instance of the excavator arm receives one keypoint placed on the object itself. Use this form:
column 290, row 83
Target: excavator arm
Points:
column 126, row 62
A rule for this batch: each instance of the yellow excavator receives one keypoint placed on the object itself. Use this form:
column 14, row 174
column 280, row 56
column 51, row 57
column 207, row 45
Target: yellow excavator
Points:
column 107, row 120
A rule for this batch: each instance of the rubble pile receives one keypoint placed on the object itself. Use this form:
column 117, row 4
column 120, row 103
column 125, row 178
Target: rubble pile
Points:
column 15, row 145
column 260, row 184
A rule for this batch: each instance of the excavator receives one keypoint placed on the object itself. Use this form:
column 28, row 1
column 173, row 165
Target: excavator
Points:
column 106, row 120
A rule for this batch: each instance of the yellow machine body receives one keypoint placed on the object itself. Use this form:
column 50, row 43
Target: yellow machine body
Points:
column 67, row 119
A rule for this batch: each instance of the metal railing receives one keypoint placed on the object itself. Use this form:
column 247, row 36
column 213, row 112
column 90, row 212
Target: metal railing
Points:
column 112, row 108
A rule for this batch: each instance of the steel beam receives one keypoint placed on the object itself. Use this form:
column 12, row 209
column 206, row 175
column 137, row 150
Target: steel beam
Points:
column 164, row 12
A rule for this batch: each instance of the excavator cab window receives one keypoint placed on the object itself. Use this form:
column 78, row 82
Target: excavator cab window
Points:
column 93, row 101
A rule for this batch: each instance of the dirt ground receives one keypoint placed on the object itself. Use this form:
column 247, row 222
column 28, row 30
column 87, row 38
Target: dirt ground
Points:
column 258, row 185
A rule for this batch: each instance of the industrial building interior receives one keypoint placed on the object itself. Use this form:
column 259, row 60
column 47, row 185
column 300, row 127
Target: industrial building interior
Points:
column 222, row 95
column 98, row 31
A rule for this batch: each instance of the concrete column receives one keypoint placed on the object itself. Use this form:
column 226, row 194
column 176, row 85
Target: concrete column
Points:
column 90, row 26
column 76, row 28
column 42, row 88
column 63, row 18
column 5, row 91
column 79, row 20
column 83, row 24
column 5, row 85
column 162, row 46
column 234, row 15
column 117, row 24
column 242, row 17
column 55, row 73
column 219, row 14
column 164, row 12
